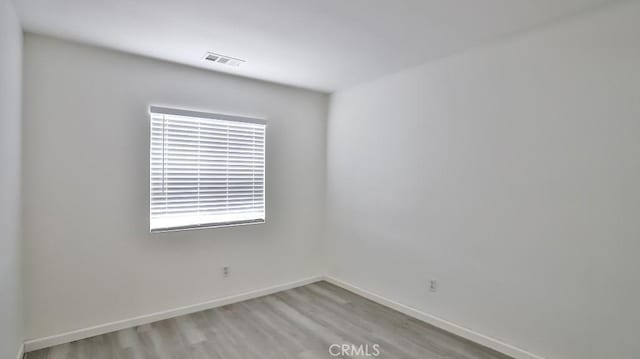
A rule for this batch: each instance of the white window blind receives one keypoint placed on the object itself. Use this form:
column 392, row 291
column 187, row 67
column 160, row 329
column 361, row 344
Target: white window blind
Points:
column 207, row 170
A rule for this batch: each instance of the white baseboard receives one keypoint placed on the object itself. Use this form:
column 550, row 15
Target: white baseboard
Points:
column 443, row 324
column 20, row 352
column 39, row 343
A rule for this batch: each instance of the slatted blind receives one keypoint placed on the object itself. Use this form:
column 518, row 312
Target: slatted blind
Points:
column 207, row 170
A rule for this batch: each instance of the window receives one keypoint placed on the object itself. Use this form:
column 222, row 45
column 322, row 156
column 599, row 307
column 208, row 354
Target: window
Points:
column 207, row 170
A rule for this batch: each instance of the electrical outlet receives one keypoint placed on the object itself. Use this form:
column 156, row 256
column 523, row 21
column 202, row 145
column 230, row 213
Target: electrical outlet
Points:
column 225, row 271
column 433, row 285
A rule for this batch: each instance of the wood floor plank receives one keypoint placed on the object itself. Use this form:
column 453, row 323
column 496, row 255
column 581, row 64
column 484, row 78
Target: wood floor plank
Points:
column 300, row 323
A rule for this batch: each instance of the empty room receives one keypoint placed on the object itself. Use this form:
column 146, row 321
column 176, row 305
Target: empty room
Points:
column 319, row 179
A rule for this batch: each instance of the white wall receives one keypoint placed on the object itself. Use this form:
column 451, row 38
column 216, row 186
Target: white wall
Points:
column 509, row 173
column 89, row 256
column 11, row 320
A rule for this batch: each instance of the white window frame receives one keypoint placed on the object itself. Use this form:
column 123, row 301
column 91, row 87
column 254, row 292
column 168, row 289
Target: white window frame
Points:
column 203, row 223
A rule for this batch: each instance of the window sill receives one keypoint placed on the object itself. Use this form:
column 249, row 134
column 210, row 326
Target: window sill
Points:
column 208, row 226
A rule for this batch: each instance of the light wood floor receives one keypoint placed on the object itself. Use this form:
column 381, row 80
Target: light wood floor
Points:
column 299, row 323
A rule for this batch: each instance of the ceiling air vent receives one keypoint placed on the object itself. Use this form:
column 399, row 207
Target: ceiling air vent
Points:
column 222, row 59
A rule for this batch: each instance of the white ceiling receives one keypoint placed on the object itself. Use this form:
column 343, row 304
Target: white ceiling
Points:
column 319, row 44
